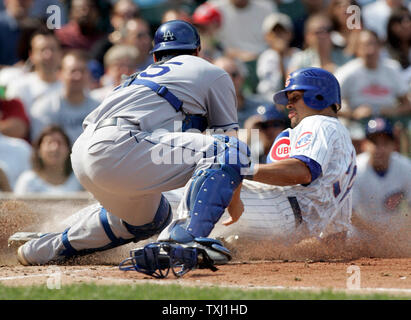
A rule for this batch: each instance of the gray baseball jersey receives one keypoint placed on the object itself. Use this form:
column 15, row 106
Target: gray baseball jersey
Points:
column 203, row 88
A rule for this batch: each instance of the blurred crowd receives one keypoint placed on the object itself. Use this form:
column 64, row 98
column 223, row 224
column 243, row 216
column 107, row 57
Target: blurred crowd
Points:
column 60, row 58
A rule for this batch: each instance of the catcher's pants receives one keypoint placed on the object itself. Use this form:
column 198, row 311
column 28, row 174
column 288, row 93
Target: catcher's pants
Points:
column 126, row 170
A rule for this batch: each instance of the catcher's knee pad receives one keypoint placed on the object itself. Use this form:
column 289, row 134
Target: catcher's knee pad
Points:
column 232, row 152
column 211, row 190
column 161, row 220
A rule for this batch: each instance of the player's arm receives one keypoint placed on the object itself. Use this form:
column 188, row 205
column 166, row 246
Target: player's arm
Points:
column 286, row 172
column 235, row 208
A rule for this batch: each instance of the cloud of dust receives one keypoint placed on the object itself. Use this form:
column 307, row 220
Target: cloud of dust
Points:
column 391, row 239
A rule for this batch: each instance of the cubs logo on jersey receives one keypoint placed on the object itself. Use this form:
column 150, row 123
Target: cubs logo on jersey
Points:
column 281, row 147
column 304, row 139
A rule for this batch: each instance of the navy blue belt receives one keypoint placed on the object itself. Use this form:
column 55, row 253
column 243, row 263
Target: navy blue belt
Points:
column 295, row 206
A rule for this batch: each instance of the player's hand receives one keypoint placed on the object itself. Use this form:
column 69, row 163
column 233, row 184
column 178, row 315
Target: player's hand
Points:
column 235, row 209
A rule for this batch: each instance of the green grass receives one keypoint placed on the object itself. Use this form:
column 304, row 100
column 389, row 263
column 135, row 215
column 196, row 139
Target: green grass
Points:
column 174, row 292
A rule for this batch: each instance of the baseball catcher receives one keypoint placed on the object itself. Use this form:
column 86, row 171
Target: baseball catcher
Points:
column 144, row 139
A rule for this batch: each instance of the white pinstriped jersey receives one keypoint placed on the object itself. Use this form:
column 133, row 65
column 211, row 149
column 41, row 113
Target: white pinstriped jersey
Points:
column 326, row 203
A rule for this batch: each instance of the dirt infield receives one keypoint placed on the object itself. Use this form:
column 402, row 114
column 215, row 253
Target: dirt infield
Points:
column 381, row 261
column 377, row 275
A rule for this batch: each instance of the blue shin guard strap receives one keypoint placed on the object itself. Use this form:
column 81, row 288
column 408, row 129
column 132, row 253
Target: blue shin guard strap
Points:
column 107, row 229
column 161, row 220
column 69, row 251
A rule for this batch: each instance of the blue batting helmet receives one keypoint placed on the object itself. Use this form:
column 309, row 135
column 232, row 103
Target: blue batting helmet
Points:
column 176, row 35
column 321, row 88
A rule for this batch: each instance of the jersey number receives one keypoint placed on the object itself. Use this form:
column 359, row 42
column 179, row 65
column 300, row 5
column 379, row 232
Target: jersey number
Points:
column 162, row 70
column 337, row 187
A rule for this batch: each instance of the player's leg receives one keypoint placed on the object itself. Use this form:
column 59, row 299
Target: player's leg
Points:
column 125, row 213
column 216, row 173
column 207, row 195
column 95, row 230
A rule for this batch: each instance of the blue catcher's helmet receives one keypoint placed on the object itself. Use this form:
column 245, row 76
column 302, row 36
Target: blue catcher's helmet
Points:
column 321, row 88
column 176, row 35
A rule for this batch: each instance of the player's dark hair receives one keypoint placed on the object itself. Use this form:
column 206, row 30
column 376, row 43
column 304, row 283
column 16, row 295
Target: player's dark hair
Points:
column 37, row 162
column 335, row 107
column 168, row 54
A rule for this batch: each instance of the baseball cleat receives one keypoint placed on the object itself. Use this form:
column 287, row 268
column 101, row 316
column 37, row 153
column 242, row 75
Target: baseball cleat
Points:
column 21, row 258
column 20, row 238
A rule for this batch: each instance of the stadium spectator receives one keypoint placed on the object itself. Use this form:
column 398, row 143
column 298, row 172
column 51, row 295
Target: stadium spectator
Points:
column 121, row 12
column 10, row 18
column 270, row 122
column 14, row 157
column 69, row 106
column 51, row 171
column 14, row 121
column 240, row 32
column 81, row 32
column 246, row 103
column 272, row 64
column 45, row 55
column 376, row 15
column 320, row 51
column 4, row 182
column 343, row 35
column 383, row 183
column 137, row 34
column 398, row 44
column 370, row 84
column 299, row 11
column 177, row 13
column 119, row 60
column 207, row 19
column 9, row 74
